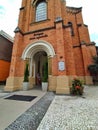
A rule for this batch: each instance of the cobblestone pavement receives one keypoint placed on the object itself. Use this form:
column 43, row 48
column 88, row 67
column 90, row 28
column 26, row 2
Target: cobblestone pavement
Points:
column 73, row 112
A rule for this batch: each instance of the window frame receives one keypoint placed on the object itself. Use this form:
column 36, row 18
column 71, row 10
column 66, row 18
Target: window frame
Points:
column 38, row 4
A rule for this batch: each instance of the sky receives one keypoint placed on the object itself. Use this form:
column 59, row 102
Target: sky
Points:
column 9, row 13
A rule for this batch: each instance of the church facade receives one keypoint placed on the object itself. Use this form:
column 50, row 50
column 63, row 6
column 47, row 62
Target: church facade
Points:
column 48, row 30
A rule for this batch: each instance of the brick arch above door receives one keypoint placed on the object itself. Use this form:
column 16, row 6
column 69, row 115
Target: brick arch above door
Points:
column 33, row 48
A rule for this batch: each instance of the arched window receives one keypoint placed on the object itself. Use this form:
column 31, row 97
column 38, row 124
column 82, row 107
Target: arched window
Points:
column 71, row 28
column 41, row 11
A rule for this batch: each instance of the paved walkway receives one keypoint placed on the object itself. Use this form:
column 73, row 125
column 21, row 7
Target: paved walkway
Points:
column 65, row 112
column 72, row 112
column 10, row 110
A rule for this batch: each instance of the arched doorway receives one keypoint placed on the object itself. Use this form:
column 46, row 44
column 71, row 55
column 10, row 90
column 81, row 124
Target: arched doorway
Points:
column 38, row 53
column 39, row 59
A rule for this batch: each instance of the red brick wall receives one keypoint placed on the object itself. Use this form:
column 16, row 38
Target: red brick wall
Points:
column 64, row 44
column 17, row 64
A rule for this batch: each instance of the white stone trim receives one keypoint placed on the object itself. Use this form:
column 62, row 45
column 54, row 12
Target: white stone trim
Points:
column 5, row 35
column 37, row 46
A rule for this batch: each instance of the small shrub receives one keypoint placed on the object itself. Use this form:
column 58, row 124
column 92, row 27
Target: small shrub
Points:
column 77, row 87
column 45, row 73
column 26, row 74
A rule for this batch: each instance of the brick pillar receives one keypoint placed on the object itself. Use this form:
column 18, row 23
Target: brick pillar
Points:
column 17, row 66
column 27, row 16
column 60, row 45
column 69, row 53
column 62, row 79
column 86, row 60
column 57, row 11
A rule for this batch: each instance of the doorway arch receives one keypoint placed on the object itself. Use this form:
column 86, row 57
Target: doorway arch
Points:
column 37, row 53
column 37, row 46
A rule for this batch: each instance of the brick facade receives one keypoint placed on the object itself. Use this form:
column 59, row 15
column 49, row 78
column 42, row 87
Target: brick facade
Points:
column 64, row 32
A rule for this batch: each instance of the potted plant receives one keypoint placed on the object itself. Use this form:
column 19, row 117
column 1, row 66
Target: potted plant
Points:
column 26, row 78
column 45, row 77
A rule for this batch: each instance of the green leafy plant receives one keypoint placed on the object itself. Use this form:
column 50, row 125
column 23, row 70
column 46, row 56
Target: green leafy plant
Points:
column 45, row 72
column 26, row 74
column 77, row 87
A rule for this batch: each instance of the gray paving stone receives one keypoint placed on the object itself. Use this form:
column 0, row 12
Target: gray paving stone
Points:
column 32, row 117
column 64, row 113
column 73, row 112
